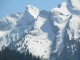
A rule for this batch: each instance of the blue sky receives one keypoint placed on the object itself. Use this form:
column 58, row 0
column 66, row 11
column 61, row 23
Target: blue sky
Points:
column 7, row 7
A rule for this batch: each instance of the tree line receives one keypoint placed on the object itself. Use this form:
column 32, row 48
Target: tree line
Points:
column 7, row 54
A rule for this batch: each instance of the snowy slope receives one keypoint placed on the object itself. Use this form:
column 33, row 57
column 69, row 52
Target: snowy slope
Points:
column 38, row 40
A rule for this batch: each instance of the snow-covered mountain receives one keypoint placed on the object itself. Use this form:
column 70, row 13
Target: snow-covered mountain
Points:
column 66, row 24
column 28, row 30
column 45, row 34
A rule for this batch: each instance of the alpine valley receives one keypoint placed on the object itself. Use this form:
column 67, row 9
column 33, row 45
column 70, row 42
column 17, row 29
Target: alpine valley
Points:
column 53, row 35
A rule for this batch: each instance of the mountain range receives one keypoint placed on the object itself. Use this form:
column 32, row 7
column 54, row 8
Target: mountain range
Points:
column 53, row 35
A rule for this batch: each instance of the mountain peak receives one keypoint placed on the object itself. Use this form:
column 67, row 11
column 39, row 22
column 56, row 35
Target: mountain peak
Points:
column 30, row 7
column 32, row 10
column 74, row 6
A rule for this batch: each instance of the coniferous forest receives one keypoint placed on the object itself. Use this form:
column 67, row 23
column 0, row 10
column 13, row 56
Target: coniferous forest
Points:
column 8, row 54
